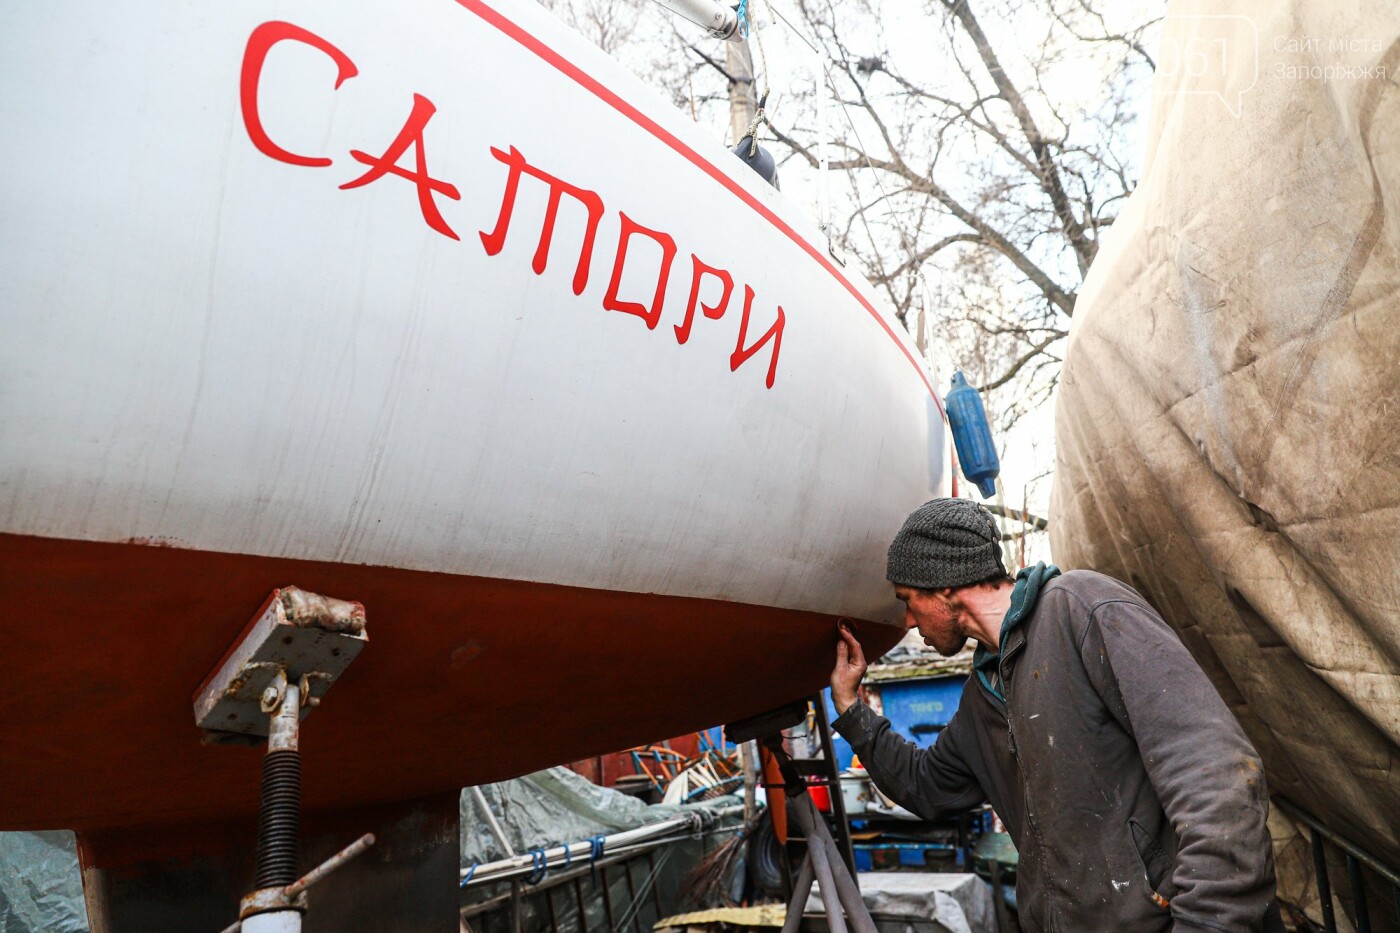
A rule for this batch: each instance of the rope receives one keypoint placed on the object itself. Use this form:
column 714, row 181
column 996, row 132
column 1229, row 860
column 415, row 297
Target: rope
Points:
column 595, row 852
column 829, row 83
column 760, row 116
column 541, row 865
column 643, row 891
column 467, row 878
column 752, row 132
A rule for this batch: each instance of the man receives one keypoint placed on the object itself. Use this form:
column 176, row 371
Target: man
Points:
column 1134, row 798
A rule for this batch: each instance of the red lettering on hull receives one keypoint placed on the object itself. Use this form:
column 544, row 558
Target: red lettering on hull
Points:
column 259, row 44
column 714, row 312
column 265, row 36
column 668, row 253
column 774, row 333
column 496, row 239
column 387, row 164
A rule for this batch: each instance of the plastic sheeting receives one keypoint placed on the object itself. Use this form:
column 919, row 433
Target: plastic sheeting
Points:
column 548, row 808
column 41, row 888
column 557, row 806
column 41, row 885
column 960, row 903
column 1228, row 422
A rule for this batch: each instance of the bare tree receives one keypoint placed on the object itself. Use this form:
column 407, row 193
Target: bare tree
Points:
column 612, row 25
column 980, row 167
column 984, row 173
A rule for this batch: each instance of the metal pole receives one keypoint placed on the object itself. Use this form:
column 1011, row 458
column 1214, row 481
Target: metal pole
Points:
column 279, row 818
column 355, row 848
column 582, row 907
column 279, row 921
column 801, row 890
column 631, row 893
column 743, row 96
column 826, row 884
column 1324, row 886
column 279, row 813
column 998, row 897
column 1358, row 895
column 819, row 840
column 748, row 755
column 1365, row 858
column 633, row 913
column 655, row 888
column 838, row 803
column 549, row 901
column 719, row 21
column 521, row 865
column 491, row 822
column 607, row 900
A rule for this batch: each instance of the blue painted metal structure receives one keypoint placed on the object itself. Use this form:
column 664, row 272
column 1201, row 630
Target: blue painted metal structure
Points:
column 917, row 708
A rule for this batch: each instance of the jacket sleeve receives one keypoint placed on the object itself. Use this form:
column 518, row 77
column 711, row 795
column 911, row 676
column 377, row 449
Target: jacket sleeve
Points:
column 1204, row 770
column 931, row 782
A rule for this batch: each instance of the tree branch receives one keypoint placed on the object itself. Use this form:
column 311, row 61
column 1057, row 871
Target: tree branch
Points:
column 1035, row 522
column 1084, row 247
column 1016, row 367
column 1057, row 296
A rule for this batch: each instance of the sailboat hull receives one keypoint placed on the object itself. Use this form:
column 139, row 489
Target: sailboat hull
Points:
column 432, row 306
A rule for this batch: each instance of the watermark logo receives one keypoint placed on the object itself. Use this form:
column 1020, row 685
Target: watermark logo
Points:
column 1212, row 54
column 1219, row 55
column 1334, row 58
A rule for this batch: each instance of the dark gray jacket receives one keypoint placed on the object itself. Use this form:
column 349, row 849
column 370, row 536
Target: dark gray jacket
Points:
column 1132, row 794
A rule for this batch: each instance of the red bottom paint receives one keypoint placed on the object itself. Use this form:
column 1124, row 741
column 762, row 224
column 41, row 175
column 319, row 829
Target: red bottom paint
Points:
column 465, row 680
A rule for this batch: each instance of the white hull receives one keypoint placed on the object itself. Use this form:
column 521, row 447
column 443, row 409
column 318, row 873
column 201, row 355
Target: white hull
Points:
column 208, row 346
column 211, row 345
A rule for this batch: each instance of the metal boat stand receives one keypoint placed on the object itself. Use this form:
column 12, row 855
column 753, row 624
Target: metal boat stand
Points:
column 284, row 663
column 187, row 876
column 825, row 860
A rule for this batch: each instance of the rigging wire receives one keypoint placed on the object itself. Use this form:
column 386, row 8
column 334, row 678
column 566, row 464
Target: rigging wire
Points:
column 760, row 115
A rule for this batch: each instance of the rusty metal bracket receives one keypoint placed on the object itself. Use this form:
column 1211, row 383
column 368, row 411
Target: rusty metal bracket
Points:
column 293, row 896
column 265, row 900
column 299, row 637
column 307, row 697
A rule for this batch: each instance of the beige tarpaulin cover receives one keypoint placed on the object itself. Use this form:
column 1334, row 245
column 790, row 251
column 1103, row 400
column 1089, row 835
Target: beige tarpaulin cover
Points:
column 1228, row 423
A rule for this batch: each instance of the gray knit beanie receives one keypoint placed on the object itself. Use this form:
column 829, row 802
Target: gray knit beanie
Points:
column 946, row 543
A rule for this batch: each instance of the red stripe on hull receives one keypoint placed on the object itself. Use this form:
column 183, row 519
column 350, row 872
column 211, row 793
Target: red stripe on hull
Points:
column 465, row 679
column 585, row 80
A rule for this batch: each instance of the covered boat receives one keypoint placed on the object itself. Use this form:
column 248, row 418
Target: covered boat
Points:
column 1226, row 425
column 432, row 306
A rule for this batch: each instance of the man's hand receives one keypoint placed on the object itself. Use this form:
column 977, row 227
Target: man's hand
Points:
column 849, row 669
